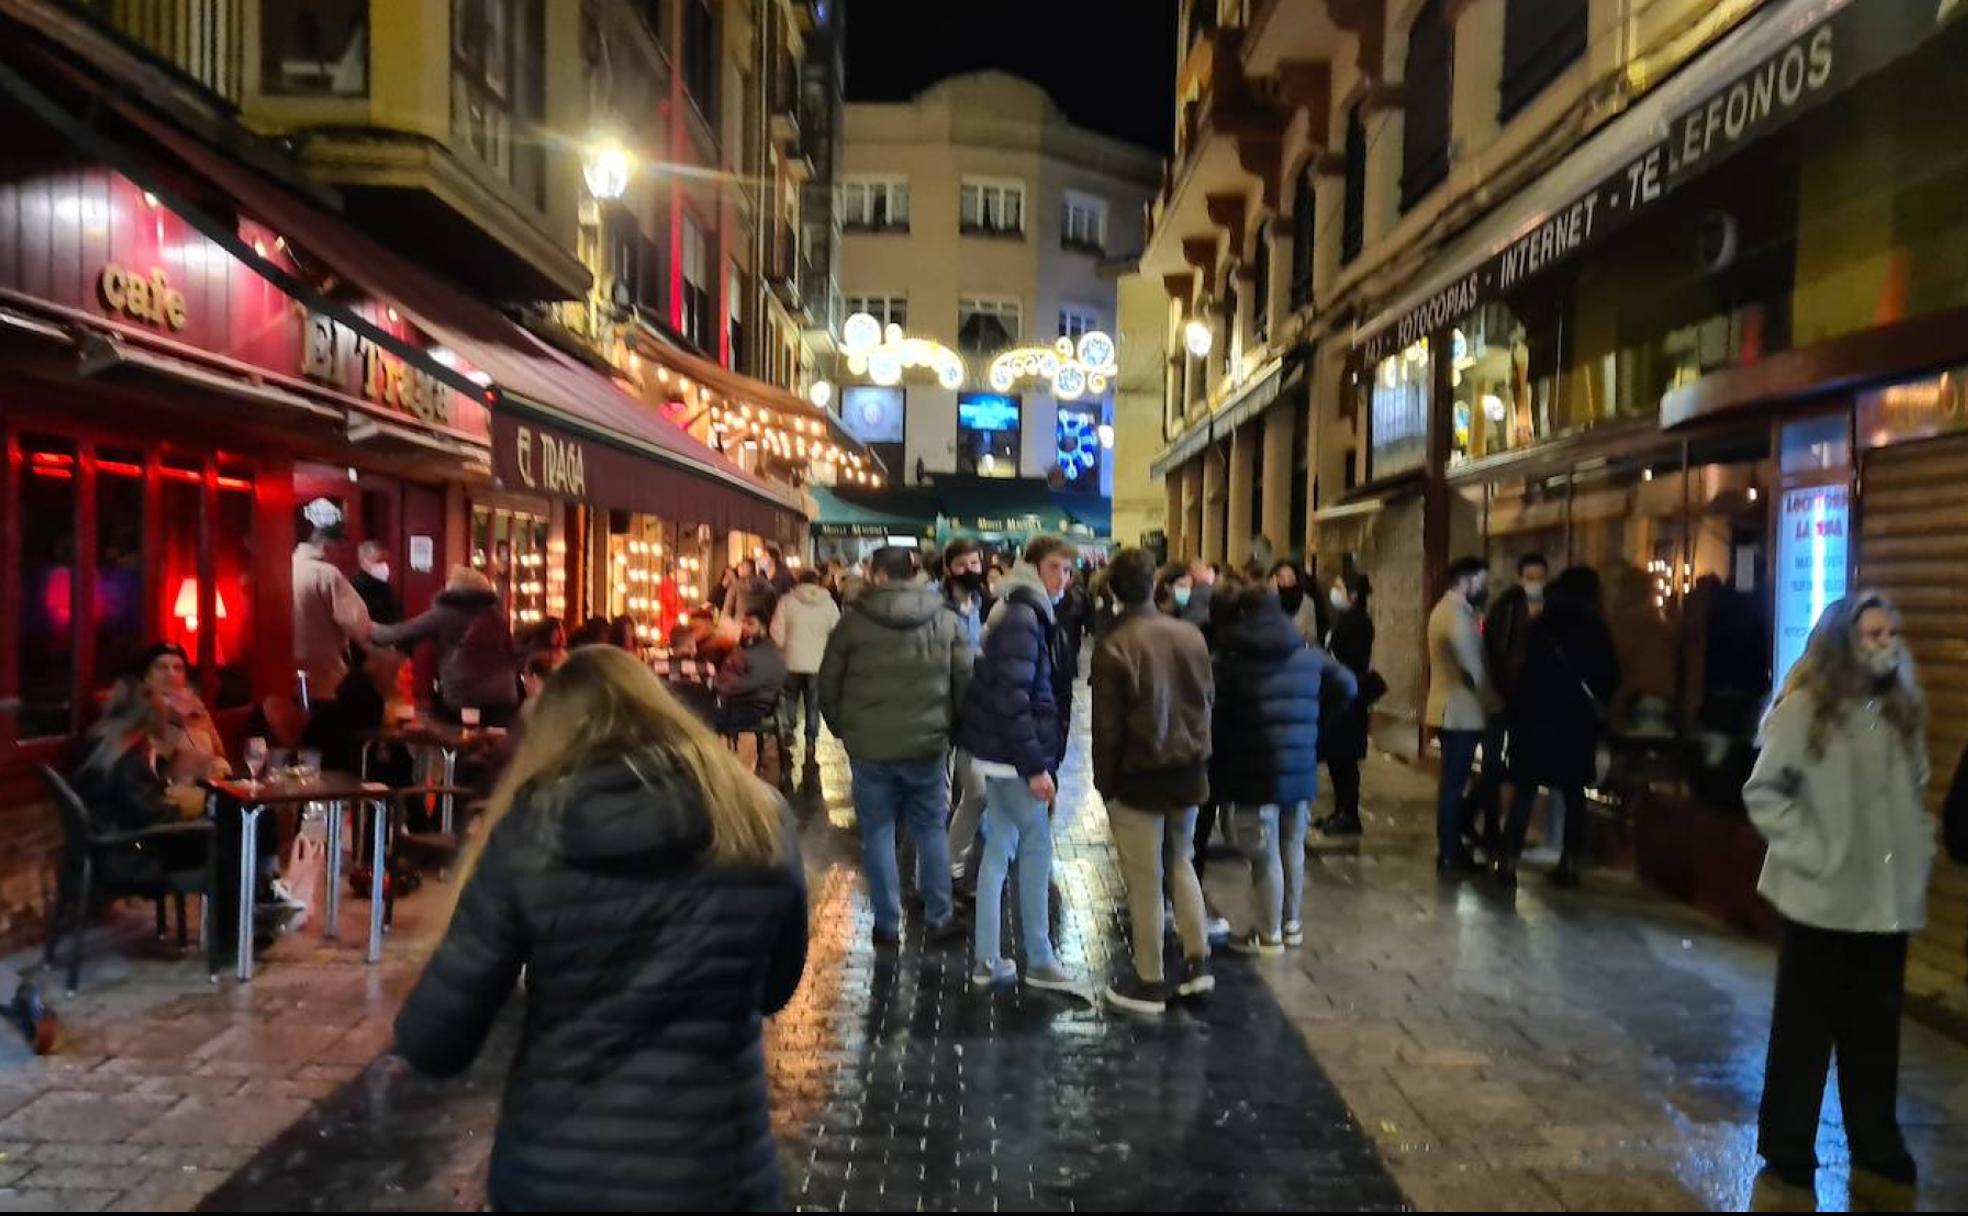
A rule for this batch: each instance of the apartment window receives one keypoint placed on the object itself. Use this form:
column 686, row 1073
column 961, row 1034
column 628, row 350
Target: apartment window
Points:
column 1075, row 320
column 1305, row 224
column 986, row 326
column 1353, row 232
column 1083, row 223
column 1429, row 79
column 1541, row 38
column 1261, row 287
column 695, row 323
column 875, row 203
column 734, row 315
column 315, row 47
column 498, row 88
column 993, row 208
column 700, row 56
column 889, row 310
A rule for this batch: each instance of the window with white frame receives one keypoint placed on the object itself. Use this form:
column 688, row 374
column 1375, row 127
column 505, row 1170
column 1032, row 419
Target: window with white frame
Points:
column 1083, row 222
column 986, row 325
column 889, row 310
column 1075, row 320
column 695, row 323
column 875, row 203
column 994, row 207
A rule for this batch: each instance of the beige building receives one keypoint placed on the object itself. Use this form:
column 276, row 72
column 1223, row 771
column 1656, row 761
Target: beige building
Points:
column 978, row 216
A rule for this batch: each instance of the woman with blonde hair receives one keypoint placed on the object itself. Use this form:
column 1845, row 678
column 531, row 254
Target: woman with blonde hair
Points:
column 1838, row 793
column 652, row 890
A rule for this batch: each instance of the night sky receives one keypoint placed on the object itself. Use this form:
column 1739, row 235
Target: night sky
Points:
column 1109, row 64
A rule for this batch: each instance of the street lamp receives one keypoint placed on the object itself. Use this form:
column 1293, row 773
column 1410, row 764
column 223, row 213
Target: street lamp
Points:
column 607, row 166
column 1197, row 337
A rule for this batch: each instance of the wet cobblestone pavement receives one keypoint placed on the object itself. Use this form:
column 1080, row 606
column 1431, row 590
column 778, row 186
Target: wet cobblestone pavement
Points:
column 1451, row 1046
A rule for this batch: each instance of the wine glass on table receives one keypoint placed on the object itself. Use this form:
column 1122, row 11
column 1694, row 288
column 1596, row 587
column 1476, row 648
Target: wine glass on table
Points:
column 256, row 757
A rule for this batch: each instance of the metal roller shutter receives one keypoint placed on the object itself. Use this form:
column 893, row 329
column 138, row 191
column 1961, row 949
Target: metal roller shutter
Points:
column 1914, row 546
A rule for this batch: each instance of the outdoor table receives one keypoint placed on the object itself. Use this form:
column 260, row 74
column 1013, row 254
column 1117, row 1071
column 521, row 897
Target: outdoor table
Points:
column 338, row 790
column 447, row 741
column 693, row 682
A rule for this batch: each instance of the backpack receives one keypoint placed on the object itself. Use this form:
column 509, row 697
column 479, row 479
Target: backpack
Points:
column 485, row 647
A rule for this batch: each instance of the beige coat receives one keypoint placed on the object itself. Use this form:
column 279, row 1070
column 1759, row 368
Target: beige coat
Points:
column 328, row 615
column 1460, row 695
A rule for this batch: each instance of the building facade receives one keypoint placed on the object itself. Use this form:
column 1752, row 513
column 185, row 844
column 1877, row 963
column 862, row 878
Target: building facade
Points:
column 1670, row 290
column 978, row 217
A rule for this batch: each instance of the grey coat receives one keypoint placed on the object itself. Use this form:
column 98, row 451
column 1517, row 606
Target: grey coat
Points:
column 895, row 673
column 1851, row 842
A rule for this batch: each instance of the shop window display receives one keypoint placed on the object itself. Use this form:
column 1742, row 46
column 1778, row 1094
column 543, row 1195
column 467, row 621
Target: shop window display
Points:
column 513, row 550
column 655, row 573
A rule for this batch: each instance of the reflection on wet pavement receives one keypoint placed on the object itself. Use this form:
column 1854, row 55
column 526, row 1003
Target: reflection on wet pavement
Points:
column 897, row 1087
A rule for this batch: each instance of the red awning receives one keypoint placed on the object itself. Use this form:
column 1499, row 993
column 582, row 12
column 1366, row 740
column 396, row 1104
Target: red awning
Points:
column 528, row 377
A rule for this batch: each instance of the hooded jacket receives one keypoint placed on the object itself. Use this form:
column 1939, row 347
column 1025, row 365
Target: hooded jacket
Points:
column 1014, row 714
column 476, row 667
column 1268, row 683
column 895, row 674
column 639, row 1082
column 800, row 626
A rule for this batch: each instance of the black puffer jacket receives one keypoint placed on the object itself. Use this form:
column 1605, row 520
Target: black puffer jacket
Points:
column 1013, row 712
column 1266, row 731
column 1563, row 691
column 639, row 1084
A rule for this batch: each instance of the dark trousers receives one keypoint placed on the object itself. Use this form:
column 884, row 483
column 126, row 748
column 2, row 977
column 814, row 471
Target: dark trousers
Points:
column 1205, row 828
column 1523, row 797
column 803, row 687
column 1452, row 801
column 1835, row 992
column 1486, row 800
column 1345, row 774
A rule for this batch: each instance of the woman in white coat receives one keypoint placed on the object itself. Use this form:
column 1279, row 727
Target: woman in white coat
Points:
column 800, row 626
column 1838, row 793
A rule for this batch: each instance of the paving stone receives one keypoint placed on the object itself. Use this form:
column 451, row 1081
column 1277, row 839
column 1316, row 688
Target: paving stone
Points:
column 87, row 1118
column 220, row 1121
column 28, row 1199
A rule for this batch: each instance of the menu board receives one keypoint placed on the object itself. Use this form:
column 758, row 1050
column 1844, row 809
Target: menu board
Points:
column 1811, row 564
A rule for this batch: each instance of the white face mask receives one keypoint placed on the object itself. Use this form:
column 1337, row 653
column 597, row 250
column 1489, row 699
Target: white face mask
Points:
column 1884, row 661
column 379, row 571
column 1534, row 592
column 1338, row 598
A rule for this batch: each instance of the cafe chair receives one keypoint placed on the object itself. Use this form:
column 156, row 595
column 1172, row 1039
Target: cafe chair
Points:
column 773, row 726
column 97, row 864
column 410, row 850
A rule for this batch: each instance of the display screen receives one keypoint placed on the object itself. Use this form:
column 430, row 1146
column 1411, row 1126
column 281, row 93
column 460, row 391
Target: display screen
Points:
column 872, row 413
column 987, row 412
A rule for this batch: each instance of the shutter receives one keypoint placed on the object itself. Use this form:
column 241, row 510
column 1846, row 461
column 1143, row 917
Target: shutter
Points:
column 1913, row 534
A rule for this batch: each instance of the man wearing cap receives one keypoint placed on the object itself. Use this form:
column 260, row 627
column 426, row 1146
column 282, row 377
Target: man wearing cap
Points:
column 328, row 612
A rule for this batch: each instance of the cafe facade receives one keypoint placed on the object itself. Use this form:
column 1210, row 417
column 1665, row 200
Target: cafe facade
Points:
column 1717, row 354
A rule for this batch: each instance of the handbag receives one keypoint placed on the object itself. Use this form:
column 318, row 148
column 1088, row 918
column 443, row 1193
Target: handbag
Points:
column 1602, row 753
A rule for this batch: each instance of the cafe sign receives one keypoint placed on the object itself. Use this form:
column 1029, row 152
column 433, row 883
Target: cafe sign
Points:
column 1855, row 40
column 142, row 297
column 341, row 358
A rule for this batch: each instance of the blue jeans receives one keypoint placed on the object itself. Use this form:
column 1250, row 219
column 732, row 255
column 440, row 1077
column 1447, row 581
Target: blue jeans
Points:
column 1451, row 801
column 917, row 794
column 1015, row 825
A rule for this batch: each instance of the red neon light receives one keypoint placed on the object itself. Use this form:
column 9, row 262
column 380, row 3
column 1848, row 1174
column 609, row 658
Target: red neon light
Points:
column 234, row 483
column 57, row 474
column 182, row 474
column 119, row 468
column 59, row 459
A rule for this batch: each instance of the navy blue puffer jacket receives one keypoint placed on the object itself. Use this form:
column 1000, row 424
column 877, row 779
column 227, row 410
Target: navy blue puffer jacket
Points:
column 1267, row 710
column 1012, row 712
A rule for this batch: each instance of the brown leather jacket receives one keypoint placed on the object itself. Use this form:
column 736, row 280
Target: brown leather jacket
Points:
column 1153, row 694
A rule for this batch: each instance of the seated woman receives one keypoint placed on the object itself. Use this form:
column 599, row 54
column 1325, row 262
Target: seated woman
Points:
column 197, row 751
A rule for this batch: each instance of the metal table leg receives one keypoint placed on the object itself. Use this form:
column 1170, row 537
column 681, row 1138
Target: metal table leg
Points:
column 332, row 905
column 450, row 779
column 249, row 853
column 378, row 869
column 208, row 921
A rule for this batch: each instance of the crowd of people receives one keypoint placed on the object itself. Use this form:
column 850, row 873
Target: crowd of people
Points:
column 622, row 817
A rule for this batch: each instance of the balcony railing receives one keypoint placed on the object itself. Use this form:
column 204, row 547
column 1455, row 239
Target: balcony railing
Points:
column 204, row 39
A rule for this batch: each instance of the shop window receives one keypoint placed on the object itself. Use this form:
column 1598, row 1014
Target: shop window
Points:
column 988, row 426
column 314, row 47
column 510, row 547
column 695, row 323
column 48, row 593
column 1541, row 38
column 181, row 503
column 1353, row 220
column 1505, row 392
column 986, row 326
column 121, row 627
column 875, row 204
column 991, row 208
column 655, row 574
column 1304, row 233
column 1398, row 391
column 1429, row 80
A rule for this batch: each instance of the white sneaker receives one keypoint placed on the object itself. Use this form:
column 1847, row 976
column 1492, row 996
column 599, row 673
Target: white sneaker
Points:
column 988, row 974
column 1051, row 979
column 1294, row 933
column 1256, row 943
column 1219, row 928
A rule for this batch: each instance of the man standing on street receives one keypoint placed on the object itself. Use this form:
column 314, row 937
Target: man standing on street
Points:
column 963, row 591
column 1152, row 698
column 801, row 625
column 372, row 583
column 1014, row 726
column 328, row 614
column 1460, row 699
column 892, row 682
column 1504, row 629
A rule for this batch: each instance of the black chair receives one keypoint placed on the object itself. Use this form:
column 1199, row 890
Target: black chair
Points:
column 113, row 864
column 410, row 850
column 773, row 725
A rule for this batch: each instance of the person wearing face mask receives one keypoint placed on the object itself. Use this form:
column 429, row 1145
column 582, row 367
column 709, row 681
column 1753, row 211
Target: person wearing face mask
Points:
column 1174, row 589
column 1460, row 698
column 372, row 583
column 1838, row 791
column 1505, row 629
column 965, row 593
column 1305, row 611
column 1343, row 726
column 1558, row 715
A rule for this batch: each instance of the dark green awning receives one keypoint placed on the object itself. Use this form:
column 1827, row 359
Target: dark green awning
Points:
column 887, row 513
